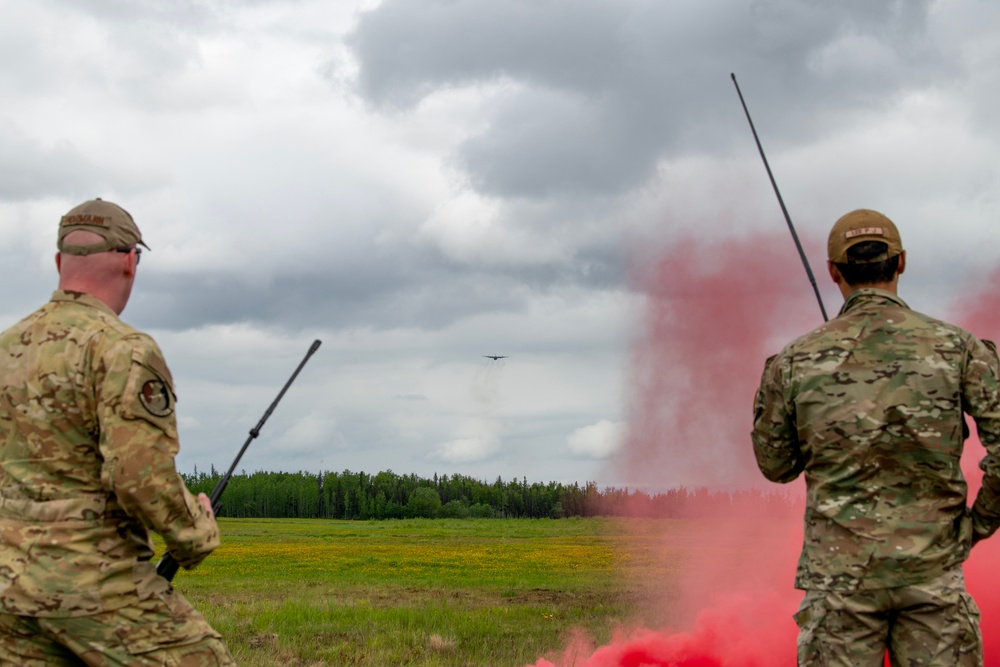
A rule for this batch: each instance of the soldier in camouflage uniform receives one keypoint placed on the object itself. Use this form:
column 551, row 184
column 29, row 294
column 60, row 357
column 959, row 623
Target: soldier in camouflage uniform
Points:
column 88, row 437
column 870, row 407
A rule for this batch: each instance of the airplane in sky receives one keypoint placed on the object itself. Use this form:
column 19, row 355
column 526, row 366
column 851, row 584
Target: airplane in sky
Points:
column 495, row 357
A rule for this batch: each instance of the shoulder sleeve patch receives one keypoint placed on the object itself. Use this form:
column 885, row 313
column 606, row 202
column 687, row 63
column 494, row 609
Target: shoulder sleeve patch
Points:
column 156, row 398
column 149, row 393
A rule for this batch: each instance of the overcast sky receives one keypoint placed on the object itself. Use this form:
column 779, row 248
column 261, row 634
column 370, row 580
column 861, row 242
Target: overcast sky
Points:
column 419, row 183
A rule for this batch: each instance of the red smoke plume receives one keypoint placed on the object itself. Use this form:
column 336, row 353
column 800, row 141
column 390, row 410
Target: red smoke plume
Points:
column 737, row 633
column 980, row 315
column 716, row 312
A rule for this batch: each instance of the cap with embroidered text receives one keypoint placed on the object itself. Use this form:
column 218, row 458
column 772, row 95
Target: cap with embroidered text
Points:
column 109, row 221
column 862, row 225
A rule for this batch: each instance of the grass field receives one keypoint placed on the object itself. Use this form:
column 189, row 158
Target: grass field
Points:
column 483, row 593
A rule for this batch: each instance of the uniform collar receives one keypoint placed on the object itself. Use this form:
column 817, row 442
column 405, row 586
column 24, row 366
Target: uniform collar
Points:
column 82, row 298
column 869, row 296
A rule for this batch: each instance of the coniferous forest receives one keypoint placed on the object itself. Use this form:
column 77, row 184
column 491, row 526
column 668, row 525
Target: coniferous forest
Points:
column 387, row 495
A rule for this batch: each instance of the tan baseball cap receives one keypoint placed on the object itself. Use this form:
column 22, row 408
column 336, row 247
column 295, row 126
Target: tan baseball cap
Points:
column 109, row 221
column 862, row 225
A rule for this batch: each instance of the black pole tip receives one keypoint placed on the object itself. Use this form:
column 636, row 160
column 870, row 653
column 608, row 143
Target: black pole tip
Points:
column 314, row 346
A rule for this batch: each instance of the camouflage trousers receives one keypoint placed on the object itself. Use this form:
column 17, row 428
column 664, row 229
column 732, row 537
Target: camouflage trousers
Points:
column 163, row 630
column 933, row 624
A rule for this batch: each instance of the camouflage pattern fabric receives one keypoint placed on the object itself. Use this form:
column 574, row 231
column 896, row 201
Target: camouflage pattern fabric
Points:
column 87, row 444
column 870, row 407
column 934, row 624
column 162, row 630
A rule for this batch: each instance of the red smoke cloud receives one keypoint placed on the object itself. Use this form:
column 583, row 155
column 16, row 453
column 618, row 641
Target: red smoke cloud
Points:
column 716, row 311
column 737, row 633
column 980, row 315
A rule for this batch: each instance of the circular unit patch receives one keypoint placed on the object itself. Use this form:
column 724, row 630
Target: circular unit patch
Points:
column 156, row 398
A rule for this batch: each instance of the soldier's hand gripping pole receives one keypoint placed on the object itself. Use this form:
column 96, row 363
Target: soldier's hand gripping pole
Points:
column 167, row 567
column 791, row 228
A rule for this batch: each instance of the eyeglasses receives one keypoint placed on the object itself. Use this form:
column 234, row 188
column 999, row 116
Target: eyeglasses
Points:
column 138, row 252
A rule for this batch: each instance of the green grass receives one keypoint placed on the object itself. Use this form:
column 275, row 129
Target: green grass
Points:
column 488, row 593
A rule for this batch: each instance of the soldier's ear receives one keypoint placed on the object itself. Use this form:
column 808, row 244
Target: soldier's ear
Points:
column 835, row 275
column 130, row 266
column 902, row 262
column 58, row 262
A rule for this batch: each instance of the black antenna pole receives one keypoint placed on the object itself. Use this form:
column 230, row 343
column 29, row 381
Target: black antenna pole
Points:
column 168, row 566
column 791, row 228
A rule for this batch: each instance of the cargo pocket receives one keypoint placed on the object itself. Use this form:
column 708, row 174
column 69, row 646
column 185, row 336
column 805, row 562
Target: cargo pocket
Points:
column 969, row 643
column 810, row 618
column 172, row 624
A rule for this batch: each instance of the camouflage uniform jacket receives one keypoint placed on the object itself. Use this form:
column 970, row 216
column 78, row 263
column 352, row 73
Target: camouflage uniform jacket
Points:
column 87, row 444
column 870, row 406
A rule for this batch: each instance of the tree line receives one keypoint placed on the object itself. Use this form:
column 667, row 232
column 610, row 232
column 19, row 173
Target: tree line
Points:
column 387, row 495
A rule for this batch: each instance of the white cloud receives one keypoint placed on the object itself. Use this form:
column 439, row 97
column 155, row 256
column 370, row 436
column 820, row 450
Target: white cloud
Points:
column 468, row 450
column 598, row 441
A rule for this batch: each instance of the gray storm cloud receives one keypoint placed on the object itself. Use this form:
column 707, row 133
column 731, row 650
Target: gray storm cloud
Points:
column 592, row 94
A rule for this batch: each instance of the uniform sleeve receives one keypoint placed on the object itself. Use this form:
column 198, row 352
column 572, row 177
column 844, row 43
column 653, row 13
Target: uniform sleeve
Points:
column 139, row 442
column 775, row 438
column 981, row 400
